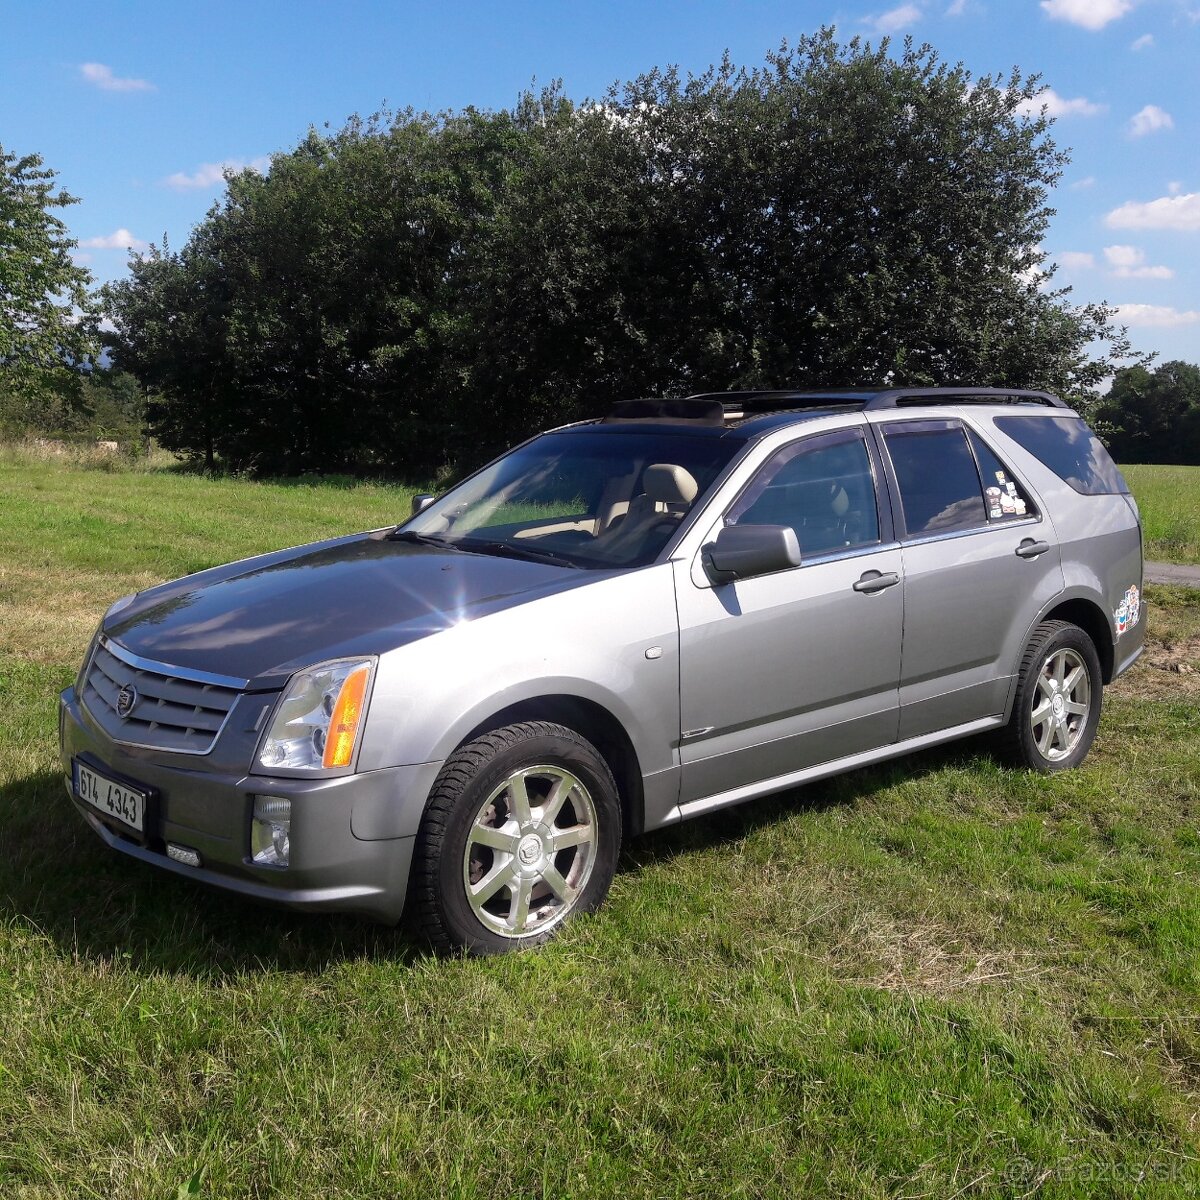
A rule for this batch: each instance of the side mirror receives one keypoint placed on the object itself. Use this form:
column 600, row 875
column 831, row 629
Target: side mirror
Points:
column 743, row 551
column 421, row 501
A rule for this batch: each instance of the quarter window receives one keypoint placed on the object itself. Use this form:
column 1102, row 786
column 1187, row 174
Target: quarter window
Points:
column 822, row 487
column 1070, row 449
column 1006, row 500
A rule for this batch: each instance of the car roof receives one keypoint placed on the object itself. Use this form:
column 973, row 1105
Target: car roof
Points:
column 746, row 415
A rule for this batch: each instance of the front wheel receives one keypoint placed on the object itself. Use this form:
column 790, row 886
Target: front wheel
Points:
column 522, row 831
column 1059, row 693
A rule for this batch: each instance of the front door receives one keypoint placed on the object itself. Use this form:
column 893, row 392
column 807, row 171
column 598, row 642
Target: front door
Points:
column 801, row 667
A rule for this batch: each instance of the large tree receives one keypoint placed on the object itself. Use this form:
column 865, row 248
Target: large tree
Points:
column 416, row 289
column 46, row 314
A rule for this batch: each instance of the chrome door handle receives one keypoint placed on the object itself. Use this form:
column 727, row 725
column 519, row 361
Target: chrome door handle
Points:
column 1031, row 549
column 876, row 581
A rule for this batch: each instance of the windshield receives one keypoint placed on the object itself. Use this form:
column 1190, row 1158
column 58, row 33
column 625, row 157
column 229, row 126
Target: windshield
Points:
column 583, row 499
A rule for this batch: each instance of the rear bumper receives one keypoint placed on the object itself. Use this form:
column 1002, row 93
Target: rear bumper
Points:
column 351, row 837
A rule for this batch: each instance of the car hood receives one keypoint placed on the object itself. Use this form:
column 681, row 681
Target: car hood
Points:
column 263, row 618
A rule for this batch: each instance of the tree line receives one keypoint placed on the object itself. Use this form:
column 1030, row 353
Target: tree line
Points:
column 417, row 290
column 1153, row 416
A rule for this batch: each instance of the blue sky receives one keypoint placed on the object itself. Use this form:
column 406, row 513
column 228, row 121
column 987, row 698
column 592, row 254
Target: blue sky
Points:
column 137, row 105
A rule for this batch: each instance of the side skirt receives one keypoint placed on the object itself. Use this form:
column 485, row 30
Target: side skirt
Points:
column 865, row 758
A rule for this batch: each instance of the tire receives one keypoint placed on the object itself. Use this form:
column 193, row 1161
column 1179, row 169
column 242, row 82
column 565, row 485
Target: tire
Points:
column 522, row 831
column 1059, row 695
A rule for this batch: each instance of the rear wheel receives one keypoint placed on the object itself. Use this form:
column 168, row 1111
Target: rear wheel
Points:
column 521, row 832
column 1059, row 694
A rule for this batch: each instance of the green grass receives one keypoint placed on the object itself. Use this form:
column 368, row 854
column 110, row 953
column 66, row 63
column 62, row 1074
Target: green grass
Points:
column 935, row 978
column 1169, row 501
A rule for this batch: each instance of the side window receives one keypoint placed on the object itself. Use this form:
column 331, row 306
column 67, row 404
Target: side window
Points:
column 935, row 471
column 1005, row 498
column 1070, row 449
column 822, row 487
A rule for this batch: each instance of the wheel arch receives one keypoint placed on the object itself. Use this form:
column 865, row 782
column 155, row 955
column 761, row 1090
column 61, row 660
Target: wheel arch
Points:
column 592, row 721
column 1092, row 619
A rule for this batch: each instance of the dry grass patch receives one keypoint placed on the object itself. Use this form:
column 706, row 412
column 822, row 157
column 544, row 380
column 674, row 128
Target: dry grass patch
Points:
column 932, row 959
column 48, row 614
column 1170, row 667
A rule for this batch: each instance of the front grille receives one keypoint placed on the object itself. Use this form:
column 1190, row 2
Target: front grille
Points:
column 174, row 709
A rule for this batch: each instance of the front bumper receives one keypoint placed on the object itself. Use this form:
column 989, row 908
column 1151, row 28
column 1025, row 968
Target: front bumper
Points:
column 351, row 837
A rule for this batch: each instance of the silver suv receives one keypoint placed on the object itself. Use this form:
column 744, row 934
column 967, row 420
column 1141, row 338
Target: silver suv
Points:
column 615, row 626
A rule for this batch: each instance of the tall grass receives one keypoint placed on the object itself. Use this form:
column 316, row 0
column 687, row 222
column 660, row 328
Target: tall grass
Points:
column 1169, row 501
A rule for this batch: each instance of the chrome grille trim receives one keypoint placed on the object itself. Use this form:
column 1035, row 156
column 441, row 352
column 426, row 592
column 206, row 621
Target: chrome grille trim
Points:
column 179, row 710
column 160, row 668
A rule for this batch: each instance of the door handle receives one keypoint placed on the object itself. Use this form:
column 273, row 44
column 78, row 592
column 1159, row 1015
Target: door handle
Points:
column 1031, row 549
column 876, row 581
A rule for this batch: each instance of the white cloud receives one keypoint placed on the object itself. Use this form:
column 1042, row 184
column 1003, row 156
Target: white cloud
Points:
column 120, row 239
column 957, row 8
column 1123, row 256
column 1076, row 260
column 1174, row 187
column 102, row 77
column 1143, row 43
column 1127, row 262
column 1155, row 315
column 1180, row 212
column 1150, row 120
column 1059, row 106
column 208, row 175
column 1087, row 182
column 1091, row 14
column 895, row 19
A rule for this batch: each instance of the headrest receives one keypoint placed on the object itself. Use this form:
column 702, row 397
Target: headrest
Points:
column 669, row 484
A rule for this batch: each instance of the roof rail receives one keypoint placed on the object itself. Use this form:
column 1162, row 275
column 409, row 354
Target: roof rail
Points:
column 754, row 403
column 899, row 397
column 715, row 408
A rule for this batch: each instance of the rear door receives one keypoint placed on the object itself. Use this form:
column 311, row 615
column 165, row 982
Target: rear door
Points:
column 800, row 667
column 980, row 560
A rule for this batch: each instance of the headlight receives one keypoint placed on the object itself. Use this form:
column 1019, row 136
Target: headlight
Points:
column 317, row 723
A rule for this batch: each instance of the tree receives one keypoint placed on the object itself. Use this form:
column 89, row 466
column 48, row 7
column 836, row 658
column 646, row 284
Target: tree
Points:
column 413, row 289
column 47, row 319
column 171, row 335
column 1153, row 416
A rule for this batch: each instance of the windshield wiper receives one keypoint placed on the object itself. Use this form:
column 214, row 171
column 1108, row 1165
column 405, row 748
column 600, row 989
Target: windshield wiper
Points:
column 517, row 550
column 423, row 539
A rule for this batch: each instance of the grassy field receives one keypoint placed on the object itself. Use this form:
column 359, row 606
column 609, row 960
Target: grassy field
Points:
column 1169, row 500
column 937, row 978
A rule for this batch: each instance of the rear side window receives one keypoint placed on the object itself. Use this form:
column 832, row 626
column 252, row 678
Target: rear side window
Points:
column 935, row 470
column 1070, row 449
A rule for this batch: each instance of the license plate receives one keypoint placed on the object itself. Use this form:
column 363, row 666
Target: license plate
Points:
column 110, row 798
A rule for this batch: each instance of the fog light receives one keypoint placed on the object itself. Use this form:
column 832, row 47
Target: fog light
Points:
column 183, row 854
column 270, row 831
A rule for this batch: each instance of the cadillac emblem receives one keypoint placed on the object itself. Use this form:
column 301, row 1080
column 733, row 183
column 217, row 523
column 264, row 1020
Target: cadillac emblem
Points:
column 127, row 697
